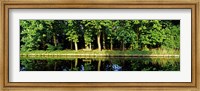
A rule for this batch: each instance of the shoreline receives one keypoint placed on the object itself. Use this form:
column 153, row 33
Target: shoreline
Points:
column 102, row 55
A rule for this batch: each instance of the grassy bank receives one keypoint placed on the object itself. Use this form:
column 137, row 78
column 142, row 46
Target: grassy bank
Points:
column 101, row 53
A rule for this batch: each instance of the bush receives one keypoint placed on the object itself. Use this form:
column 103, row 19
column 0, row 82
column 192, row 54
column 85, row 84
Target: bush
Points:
column 51, row 47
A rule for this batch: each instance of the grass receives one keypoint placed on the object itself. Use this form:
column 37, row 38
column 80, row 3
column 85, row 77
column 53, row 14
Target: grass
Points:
column 95, row 58
column 152, row 52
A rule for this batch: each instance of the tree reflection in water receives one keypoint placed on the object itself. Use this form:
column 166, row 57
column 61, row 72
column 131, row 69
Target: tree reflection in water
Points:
column 100, row 64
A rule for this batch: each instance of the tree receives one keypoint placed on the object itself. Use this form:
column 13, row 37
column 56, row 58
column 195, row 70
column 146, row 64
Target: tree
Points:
column 111, row 29
column 124, row 34
column 96, row 26
column 30, row 34
column 51, row 33
column 57, row 31
column 72, row 32
column 172, row 35
column 88, row 34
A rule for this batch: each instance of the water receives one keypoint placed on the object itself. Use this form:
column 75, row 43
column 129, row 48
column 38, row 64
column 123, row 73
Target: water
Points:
column 99, row 64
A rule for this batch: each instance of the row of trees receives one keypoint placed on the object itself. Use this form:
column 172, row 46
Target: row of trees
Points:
column 101, row 34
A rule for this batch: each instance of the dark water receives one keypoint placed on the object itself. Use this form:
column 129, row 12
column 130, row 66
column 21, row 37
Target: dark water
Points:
column 100, row 64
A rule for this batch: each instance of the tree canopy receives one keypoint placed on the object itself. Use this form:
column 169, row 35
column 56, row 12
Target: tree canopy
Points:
column 99, row 34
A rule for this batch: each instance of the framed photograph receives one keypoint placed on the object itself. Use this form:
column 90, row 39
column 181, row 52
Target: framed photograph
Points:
column 100, row 45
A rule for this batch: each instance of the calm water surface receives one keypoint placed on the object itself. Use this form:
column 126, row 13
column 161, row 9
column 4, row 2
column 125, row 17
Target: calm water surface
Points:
column 100, row 64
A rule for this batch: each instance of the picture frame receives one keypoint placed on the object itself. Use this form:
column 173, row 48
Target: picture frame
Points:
column 193, row 5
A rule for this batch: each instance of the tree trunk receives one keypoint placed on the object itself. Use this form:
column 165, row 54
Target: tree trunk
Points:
column 104, row 41
column 55, row 66
column 86, row 46
column 71, row 65
column 71, row 47
column 111, row 44
column 99, row 65
column 43, row 44
column 138, row 36
column 99, row 41
column 123, row 46
column 90, row 46
column 132, row 46
column 76, row 62
column 76, row 46
column 54, row 39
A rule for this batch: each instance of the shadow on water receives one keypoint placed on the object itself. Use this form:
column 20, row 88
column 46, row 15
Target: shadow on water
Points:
column 100, row 64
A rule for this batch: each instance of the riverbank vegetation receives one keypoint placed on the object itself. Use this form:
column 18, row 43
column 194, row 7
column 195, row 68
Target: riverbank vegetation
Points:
column 96, row 53
column 99, row 37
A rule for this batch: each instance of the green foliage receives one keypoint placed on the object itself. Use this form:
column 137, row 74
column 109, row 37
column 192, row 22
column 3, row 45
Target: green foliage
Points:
column 88, row 33
column 29, row 31
column 172, row 36
column 51, row 47
column 72, row 31
column 88, row 67
column 111, row 34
